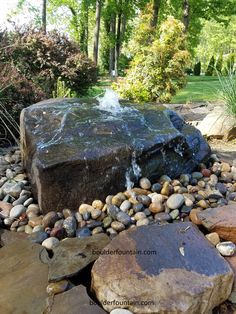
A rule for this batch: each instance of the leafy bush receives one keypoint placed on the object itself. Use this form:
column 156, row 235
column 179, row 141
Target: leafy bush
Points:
column 228, row 92
column 158, row 69
column 197, row 69
column 211, row 67
column 188, row 71
column 44, row 58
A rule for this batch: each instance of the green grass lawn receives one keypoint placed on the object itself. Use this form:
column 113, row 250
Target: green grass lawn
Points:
column 199, row 89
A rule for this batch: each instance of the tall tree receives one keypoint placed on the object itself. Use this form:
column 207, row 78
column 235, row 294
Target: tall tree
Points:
column 156, row 8
column 186, row 11
column 44, row 16
column 97, row 30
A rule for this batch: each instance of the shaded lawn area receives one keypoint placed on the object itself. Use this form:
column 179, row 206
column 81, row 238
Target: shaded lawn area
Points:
column 199, row 89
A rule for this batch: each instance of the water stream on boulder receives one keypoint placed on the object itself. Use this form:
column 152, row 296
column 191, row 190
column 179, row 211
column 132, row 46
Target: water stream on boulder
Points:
column 110, row 103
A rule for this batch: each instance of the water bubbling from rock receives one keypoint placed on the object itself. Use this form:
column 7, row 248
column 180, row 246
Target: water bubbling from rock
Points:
column 110, row 102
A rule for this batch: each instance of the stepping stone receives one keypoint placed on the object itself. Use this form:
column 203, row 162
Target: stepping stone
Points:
column 74, row 301
column 23, row 278
column 72, row 255
column 176, row 276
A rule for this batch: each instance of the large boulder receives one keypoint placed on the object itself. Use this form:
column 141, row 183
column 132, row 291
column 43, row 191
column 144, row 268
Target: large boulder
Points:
column 218, row 124
column 162, row 269
column 75, row 152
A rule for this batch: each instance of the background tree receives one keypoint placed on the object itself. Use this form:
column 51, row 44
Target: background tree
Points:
column 44, row 16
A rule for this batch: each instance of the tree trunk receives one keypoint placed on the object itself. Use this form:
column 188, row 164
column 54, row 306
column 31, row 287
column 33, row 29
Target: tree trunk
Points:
column 97, row 30
column 44, row 17
column 118, row 43
column 86, row 29
column 83, row 21
column 186, row 11
column 112, row 48
column 155, row 8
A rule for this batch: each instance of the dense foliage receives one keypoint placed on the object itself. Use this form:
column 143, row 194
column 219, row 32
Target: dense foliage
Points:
column 197, row 69
column 43, row 58
column 211, row 66
column 157, row 71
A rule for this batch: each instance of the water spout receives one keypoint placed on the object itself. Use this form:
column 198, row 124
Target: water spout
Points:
column 110, row 102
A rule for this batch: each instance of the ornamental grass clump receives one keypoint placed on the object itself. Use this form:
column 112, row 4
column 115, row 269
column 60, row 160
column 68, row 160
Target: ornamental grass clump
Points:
column 228, row 92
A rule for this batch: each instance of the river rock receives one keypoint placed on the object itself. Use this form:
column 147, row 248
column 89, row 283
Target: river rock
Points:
column 72, row 255
column 17, row 210
column 38, row 237
column 23, row 278
column 70, row 225
column 221, row 220
column 213, row 238
column 50, row 243
column 57, row 287
column 101, row 152
column 227, row 248
column 175, row 201
column 49, row 219
column 12, row 188
column 184, row 264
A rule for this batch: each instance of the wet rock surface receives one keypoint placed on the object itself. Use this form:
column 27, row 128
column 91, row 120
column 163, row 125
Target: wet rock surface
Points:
column 210, row 185
column 183, row 261
column 104, row 152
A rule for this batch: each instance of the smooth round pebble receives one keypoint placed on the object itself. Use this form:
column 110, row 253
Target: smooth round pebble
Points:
column 28, row 229
column 125, row 206
column 50, row 243
column 145, row 183
column 227, row 248
column 174, row 214
column 120, row 311
column 83, row 232
column 38, row 228
column 17, row 211
column 118, row 226
column 97, row 230
column 175, row 201
column 97, row 204
column 213, row 237
column 38, row 237
column 123, row 218
column 57, row 287
column 70, row 225
column 142, row 222
column 107, row 221
column 139, row 215
column 49, row 219
column 95, row 213
column 28, row 202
